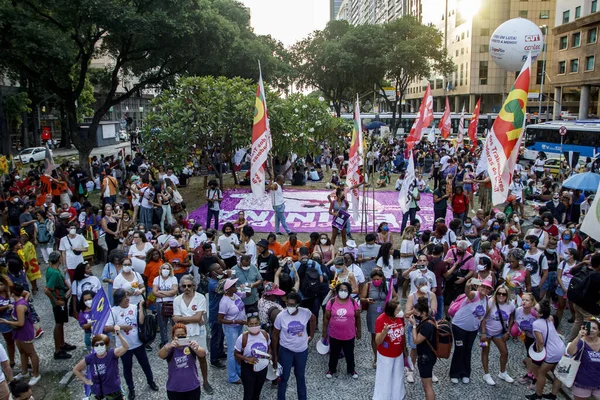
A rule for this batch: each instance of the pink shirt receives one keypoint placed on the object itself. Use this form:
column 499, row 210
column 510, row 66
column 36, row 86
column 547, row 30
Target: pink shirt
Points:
column 342, row 324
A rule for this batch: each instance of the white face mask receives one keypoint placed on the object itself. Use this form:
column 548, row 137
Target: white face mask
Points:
column 100, row 350
column 484, row 238
column 400, row 314
column 246, row 268
column 291, row 309
column 323, row 241
column 516, row 219
column 546, row 223
column 88, row 303
column 127, row 269
column 514, row 243
column 481, row 268
column 343, row 294
column 423, row 289
column 72, row 231
column 254, row 329
column 165, row 272
column 220, row 276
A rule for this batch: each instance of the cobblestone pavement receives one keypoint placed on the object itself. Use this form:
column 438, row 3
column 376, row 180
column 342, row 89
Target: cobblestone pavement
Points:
column 319, row 387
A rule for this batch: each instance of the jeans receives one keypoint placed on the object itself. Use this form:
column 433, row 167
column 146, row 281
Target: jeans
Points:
column 163, row 323
column 412, row 213
column 109, row 200
column 191, row 395
column 232, row 332
column 440, row 311
column 461, row 358
column 166, row 215
column 217, row 350
column 280, row 218
column 142, row 358
column 209, row 215
column 146, row 215
column 460, row 216
column 289, row 359
column 336, row 347
column 253, row 381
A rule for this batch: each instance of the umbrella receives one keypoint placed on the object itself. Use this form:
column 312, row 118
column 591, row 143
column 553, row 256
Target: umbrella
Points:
column 375, row 125
column 587, row 181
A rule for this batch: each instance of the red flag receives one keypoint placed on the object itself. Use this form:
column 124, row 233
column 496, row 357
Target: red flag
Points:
column 261, row 141
column 473, row 124
column 423, row 120
column 461, row 130
column 445, row 123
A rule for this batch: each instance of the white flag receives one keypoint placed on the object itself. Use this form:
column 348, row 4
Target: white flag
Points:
column 482, row 164
column 431, row 136
column 406, row 192
column 355, row 160
column 591, row 222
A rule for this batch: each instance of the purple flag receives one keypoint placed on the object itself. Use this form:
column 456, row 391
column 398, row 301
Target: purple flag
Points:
column 100, row 312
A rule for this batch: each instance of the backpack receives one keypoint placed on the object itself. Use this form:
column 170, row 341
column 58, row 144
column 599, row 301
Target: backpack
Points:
column 309, row 280
column 457, row 304
column 580, row 293
column 147, row 330
column 245, row 342
column 43, row 234
column 198, row 254
column 443, row 339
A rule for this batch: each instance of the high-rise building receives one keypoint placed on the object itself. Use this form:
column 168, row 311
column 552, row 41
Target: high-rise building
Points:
column 376, row 11
column 573, row 73
column 334, row 8
column 467, row 26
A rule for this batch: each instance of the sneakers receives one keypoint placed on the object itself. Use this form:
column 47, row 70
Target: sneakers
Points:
column 62, row 355
column 34, row 380
column 533, row 396
column 434, row 379
column 524, row 379
column 488, row 379
column 68, row 347
column 465, row 380
column 22, row 376
column 328, row 375
column 218, row 364
column 549, row 396
column 454, row 380
column 354, row 375
column 505, row 377
column 208, row 389
column 39, row 333
column 410, row 377
column 532, row 384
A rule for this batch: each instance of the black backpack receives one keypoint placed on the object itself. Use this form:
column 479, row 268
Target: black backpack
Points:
column 309, row 279
column 147, row 330
column 579, row 291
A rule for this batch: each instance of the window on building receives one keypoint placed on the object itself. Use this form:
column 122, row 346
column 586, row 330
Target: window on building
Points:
column 483, row 72
column 456, row 52
column 462, row 51
column 592, row 36
column 462, row 74
column 566, row 16
column 577, row 12
column 562, row 67
column 589, row 63
column 439, row 83
column 467, row 33
column 523, row 13
column 484, row 32
column 574, row 66
column 594, row 6
column 462, row 36
column 467, row 73
column 576, row 39
column 539, row 72
column 564, row 42
column 544, row 14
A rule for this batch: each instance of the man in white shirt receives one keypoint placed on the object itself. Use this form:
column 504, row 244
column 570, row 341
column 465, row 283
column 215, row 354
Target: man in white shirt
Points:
column 516, row 188
column 444, row 162
column 72, row 248
column 537, row 264
column 189, row 308
column 420, row 270
column 279, row 205
column 172, row 176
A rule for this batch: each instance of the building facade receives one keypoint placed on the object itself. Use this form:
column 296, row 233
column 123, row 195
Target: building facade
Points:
column 573, row 73
column 359, row 12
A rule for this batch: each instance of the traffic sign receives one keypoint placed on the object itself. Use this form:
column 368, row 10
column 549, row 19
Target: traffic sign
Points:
column 562, row 130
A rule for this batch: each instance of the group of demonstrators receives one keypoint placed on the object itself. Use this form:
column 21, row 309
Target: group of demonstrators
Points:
column 221, row 298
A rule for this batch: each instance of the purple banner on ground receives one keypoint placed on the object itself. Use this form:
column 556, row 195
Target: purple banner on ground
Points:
column 308, row 210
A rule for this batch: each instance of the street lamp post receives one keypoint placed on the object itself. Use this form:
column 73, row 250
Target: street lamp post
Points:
column 545, row 31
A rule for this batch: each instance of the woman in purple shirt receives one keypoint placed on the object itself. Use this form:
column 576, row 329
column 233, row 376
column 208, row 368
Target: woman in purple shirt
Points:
column 587, row 343
column 183, row 381
column 104, row 367
column 232, row 315
column 23, row 334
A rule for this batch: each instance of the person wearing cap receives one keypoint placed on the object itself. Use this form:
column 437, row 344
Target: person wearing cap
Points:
column 72, row 248
column 232, row 315
column 252, row 350
column 266, row 262
column 269, row 305
column 178, row 258
column 249, row 279
column 189, row 308
column 58, row 291
column 350, row 247
column 465, row 325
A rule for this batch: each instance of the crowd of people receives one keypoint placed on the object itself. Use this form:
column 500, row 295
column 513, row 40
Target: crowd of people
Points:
column 224, row 299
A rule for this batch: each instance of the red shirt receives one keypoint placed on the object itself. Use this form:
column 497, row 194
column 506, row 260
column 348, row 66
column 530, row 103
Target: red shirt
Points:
column 552, row 230
column 393, row 344
column 460, row 203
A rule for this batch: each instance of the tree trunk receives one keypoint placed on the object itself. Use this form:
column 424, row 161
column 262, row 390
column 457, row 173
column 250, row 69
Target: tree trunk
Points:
column 5, row 145
column 25, row 134
column 234, row 174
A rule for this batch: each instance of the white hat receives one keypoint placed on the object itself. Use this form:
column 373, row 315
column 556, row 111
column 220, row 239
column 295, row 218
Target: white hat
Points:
column 323, row 346
column 351, row 243
column 271, row 372
column 535, row 356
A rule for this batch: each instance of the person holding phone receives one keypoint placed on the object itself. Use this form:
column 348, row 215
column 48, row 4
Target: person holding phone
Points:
column 587, row 343
column 181, row 353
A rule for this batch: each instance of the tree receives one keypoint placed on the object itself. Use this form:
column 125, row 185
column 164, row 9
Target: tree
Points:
column 15, row 106
column 415, row 51
column 143, row 44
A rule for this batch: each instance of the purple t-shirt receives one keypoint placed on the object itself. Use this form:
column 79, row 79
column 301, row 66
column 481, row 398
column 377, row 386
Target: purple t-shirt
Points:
column 26, row 333
column 292, row 329
column 493, row 327
column 83, row 318
column 555, row 348
column 589, row 370
column 105, row 371
column 233, row 309
column 525, row 321
column 470, row 314
column 183, row 371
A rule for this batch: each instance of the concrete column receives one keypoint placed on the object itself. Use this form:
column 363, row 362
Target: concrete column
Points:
column 457, row 105
column 438, row 104
column 556, row 107
column 584, row 102
column 472, row 103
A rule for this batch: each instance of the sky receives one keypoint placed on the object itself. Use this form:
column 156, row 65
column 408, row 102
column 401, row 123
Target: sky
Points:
column 288, row 20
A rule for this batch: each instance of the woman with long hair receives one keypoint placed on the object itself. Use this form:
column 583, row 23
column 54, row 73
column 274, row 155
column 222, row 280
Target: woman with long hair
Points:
column 384, row 235
column 563, row 278
column 250, row 347
column 165, row 288
column 339, row 203
column 83, row 280
column 587, row 343
column 407, row 254
column 385, row 261
column 325, row 248
column 525, row 315
column 424, row 336
column 6, row 306
column 138, row 251
column 110, row 226
column 165, row 199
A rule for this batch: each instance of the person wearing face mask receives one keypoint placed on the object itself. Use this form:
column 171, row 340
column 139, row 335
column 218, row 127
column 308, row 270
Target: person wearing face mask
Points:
column 512, row 242
column 217, row 337
column 389, row 342
column 164, row 288
column 355, row 270
column 83, row 280
column 422, row 291
column 227, row 244
column 514, row 275
column 565, row 243
column 367, row 254
column 465, row 325
column 131, row 282
column 424, row 336
column 178, row 258
column 513, row 226
column 469, row 230
column 484, row 270
column 537, row 264
column 440, row 201
column 266, row 261
column 181, row 354
column 542, row 236
column 198, row 237
column 292, row 330
column 557, row 207
column 85, row 318
column 232, row 315
column 563, row 278
column 462, row 269
column 552, row 256
column 248, row 280
column 72, row 248
column 250, row 347
column 383, row 234
column 105, row 382
column 341, row 328
column 337, row 204
column 138, row 251
column 587, row 344
column 311, row 277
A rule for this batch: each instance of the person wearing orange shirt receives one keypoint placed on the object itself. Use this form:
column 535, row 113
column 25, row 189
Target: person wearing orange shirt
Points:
column 291, row 247
column 154, row 261
column 314, row 241
column 274, row 245
column 178, row 258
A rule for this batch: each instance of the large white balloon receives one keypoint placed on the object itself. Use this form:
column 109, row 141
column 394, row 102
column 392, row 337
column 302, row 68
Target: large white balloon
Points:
column 512, row 41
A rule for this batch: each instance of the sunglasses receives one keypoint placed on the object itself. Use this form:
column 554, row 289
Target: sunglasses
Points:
column 126, row 265
column 502, row 294
column 100, row 345
column 187, row 286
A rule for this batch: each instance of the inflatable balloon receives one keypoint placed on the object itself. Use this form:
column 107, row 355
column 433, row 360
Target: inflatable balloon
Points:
column 512, row 41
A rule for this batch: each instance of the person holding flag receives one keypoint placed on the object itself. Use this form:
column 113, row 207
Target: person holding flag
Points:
column 409, row 194
column 472, row 131
column 355, row 161
column 445, row 125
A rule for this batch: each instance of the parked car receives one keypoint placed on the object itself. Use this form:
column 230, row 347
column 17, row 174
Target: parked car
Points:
column 33, row 154
column 553, row 165
column 123, row 135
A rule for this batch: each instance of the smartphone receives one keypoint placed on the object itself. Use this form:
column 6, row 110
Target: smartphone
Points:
column 475, row 282
column 588, row 328
column 183, row 341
